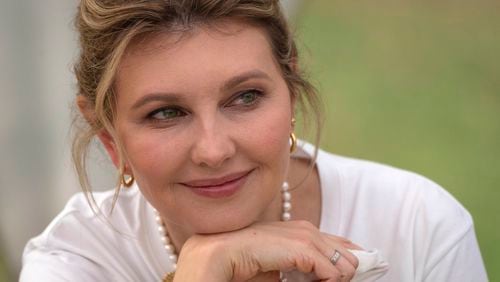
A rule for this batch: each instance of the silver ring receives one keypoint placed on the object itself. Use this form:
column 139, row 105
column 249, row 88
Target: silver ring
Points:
column 335, row 257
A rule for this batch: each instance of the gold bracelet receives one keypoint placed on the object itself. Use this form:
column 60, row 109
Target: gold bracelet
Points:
column 169, row 277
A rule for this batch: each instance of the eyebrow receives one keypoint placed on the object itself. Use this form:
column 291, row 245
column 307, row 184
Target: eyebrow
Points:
column 174, row 98
column 156, row 97
column 240, row 78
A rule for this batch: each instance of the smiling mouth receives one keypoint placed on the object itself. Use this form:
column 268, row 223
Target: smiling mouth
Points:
column 218, row 187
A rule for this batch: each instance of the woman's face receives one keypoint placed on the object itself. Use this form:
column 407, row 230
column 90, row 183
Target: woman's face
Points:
column 205, row 119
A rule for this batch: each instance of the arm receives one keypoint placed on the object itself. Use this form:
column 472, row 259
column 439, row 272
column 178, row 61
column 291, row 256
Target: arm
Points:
column 446, row 248
column 265, row 249
column 462, row 262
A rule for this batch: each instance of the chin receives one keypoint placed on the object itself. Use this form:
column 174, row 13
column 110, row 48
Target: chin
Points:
column 222, row 226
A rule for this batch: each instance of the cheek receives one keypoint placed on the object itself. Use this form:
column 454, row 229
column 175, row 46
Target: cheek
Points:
column 152, row 158
column 269, row 134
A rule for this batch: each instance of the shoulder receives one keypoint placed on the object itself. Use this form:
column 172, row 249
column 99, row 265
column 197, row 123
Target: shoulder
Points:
column 392, row 193
column 80, row 215
column 385, row 186
column 413, row 221
column 80, row 239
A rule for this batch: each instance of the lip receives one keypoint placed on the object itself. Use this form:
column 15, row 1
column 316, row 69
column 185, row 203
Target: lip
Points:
column 219, row 187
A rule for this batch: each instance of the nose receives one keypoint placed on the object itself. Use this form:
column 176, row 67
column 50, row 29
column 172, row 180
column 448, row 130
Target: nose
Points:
column 213, row 146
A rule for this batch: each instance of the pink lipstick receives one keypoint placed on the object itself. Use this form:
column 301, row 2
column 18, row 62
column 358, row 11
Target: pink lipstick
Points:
column 219, row 187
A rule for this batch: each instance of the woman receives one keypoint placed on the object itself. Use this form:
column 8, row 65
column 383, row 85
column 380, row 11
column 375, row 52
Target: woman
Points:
column 195, row 103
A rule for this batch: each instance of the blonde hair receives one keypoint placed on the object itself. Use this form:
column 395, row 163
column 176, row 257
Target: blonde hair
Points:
column 107, row 28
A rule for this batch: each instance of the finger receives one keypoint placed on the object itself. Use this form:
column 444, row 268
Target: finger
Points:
column 346, row 242
column 309, row 251
column 327, row 244
column 347, row 263
column 352, row 259
column 345, row 267
column 310, row 260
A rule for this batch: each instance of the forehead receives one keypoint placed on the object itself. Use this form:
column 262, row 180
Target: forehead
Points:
column 225, row 46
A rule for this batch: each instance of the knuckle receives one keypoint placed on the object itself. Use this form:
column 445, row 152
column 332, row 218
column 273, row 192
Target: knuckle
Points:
column 306, row 242
column 307, row 231
column 305, row 224
column 304, row 263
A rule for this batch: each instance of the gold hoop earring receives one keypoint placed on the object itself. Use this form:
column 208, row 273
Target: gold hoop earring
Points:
column 127, row 182
column 293, row 142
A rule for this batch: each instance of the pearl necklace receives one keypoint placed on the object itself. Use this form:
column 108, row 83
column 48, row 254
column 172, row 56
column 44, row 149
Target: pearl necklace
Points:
column 286, row 215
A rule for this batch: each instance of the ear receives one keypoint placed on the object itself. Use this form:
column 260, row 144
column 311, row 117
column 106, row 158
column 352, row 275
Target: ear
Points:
column 106, row 139
column 85, row 108
column 110, row 146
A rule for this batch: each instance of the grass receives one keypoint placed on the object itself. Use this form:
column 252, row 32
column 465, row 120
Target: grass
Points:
column 4, row 272
column 415, row 85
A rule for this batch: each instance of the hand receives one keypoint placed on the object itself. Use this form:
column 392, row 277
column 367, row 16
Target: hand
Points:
column 261, row 250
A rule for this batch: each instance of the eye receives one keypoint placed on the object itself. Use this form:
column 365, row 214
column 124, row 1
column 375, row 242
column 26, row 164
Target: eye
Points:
column 166, row 114
column 246, row 98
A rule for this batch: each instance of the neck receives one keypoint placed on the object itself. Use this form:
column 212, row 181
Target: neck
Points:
column 306, row 191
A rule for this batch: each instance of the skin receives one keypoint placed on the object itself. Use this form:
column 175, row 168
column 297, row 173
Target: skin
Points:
column 204, row 105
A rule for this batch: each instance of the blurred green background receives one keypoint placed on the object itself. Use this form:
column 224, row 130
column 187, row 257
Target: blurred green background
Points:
column 415, row 84
column 4, row 270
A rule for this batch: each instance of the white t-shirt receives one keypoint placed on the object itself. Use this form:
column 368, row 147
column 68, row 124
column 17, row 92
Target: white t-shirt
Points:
column 421, row 230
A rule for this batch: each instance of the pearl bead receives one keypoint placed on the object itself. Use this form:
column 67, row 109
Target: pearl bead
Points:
column 285, row 186
column 158, row 219
column 287, row 206
column 169, row 248
column 286, row 216
column 165, row 240
column 173, row 257
column 162, row 230
column 286, row 196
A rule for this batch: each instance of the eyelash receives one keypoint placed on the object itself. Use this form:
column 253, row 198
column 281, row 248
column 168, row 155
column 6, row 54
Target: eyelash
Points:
column 178, row 111
column 258, row 94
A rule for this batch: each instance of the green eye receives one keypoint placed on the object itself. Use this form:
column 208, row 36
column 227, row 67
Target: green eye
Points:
column 247, row 98
column 166, row 113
